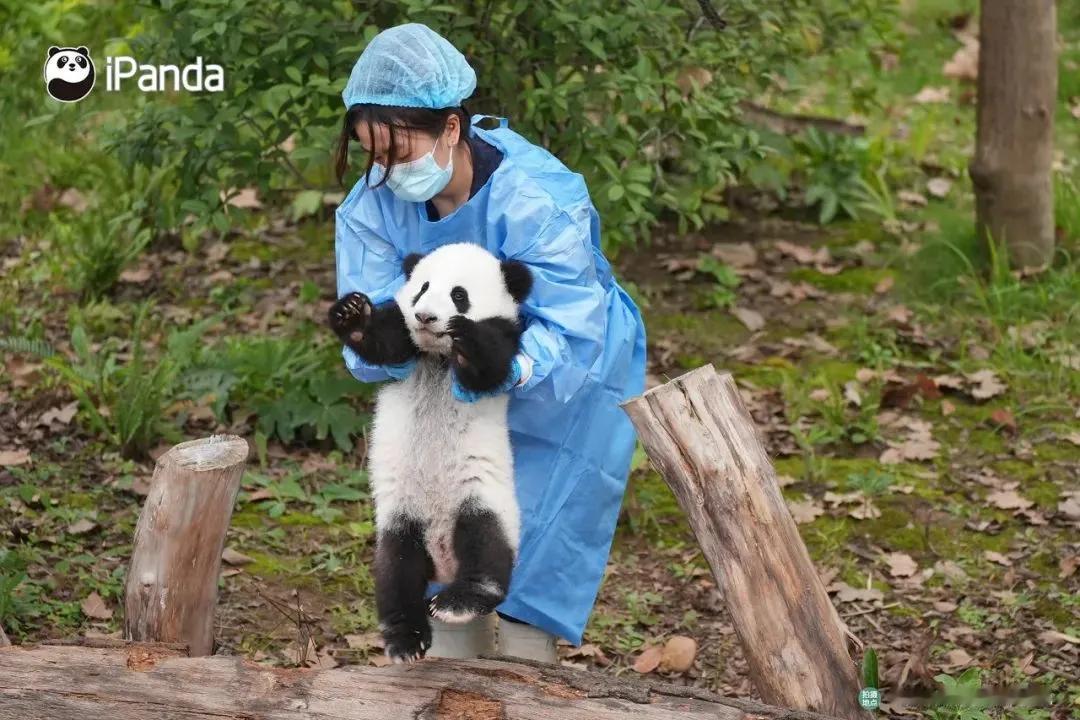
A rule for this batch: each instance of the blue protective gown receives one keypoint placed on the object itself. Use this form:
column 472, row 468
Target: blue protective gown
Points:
column 572, row 443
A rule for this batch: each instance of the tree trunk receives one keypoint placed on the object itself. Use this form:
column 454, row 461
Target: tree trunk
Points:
column 701, row 438
column 145, row 682
column 172, row 583
column 1014, row 149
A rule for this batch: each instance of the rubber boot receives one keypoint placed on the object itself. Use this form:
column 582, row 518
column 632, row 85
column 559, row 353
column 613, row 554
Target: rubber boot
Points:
column 517, row 639
column 463, row 640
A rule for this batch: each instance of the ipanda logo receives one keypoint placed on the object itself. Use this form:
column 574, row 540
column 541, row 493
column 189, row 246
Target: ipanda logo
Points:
column 69, row 74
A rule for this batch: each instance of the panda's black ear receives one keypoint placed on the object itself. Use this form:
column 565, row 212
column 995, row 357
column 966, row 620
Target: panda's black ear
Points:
column 82, row 49
column 53, row 50
column 518, row 279
column 410, row 262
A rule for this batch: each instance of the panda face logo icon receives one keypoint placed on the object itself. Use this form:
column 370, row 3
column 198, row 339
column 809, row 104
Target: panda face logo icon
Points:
column 69, row 73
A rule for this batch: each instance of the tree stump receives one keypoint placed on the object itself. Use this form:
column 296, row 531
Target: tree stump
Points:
column 702, row 440
column 172, row 583
column 1014, row 149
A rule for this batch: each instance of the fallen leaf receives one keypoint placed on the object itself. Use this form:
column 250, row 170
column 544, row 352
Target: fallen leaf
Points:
column 72, row 198
column 367, row 641
column 1003, row 417
column 803, row 254
column 588, row 650
column 9, row 458
column 62, row 415
column 1008, row 500
column 884, row 285
column 94, row 607
column 1070, row 507
column 950, row 569
column 964, row 64
column 79, row 527
column 996, row 557
column 985, row 384
column 1054, row 637
column 944, row 606
column 912, row 198
column 804, row 511
column 232, row 557
column 752, row 319
column 939, row 187
column 956, row 659
column 901, row 564
column 1067, row 566
column 915, row 448
column 819, row 395
column 947, row 408
column 866, row 511
column 932, row 95
column 136, row 275
column 380, row 660
column 846, row 593
column 678, row 654
column 899, row 314
column 739, row 255
column 851, row 393
column 949, row 382
column 649, row 660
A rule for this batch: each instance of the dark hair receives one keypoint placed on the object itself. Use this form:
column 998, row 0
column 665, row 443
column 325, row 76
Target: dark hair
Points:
column 431, row 122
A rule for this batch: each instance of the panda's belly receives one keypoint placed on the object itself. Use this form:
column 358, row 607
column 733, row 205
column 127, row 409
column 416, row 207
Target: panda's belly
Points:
column 428, row 453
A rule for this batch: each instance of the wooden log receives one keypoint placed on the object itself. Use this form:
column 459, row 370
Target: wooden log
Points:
column 4, row 642
column 701, row 438
column 146, row 682
column 172, row 583
column 1012, row 170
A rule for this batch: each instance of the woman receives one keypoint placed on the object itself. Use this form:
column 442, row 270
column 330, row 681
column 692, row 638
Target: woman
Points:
column 433, row 178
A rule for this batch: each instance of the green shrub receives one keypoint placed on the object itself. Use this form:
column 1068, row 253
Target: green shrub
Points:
column 640, row 97
column 124, row 401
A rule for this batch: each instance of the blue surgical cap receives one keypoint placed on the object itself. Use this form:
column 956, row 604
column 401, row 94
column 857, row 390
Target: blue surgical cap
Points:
column 410, row 66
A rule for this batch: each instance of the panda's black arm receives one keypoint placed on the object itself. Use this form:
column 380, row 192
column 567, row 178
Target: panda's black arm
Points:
column 483, row 351
column 377, row 334
column 386, row 340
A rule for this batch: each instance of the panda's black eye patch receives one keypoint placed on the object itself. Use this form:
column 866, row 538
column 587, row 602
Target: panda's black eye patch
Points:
column 423, row 289
column 460, row 298
column 81, row 61
column 62, row 61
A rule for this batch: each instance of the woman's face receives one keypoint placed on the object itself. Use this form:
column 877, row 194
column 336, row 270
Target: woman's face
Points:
column 409, row 144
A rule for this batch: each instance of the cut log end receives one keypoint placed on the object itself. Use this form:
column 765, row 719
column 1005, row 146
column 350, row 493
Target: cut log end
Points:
column 212, row 453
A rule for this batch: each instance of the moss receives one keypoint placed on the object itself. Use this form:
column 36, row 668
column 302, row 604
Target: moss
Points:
column 856, row 280
column 80, row 501
column 266, row 565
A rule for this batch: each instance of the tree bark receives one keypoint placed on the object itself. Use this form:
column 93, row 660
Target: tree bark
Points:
column 146, row 682
column 172, row 583
column 1014, row 150
column 702, row 440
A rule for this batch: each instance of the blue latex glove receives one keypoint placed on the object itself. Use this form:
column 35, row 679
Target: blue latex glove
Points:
column 401, row 371
column 469, row 396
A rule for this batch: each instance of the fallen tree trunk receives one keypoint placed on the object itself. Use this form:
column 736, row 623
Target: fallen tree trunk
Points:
column 702, row 440
column 172, row 583
column 146, row 681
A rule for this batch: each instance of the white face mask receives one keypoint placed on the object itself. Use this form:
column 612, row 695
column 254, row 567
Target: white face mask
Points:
column 418, row 180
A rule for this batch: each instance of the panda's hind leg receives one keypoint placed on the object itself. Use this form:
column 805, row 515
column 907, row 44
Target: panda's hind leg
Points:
column 402, row 570
column 485, row 561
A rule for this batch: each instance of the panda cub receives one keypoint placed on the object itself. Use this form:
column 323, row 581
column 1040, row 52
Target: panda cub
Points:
column 69, row 73
column 441, row 470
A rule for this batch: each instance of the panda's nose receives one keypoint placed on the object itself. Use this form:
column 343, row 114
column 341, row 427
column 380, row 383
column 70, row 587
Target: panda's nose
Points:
column 71, row 66
column 425, row 318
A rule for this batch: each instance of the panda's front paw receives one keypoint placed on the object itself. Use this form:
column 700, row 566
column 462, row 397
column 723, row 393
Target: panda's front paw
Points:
column 349, row 317
column 408, row 642
column 481, row 353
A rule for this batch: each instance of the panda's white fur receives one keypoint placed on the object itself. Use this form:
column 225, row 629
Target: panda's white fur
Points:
column 428, row 452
